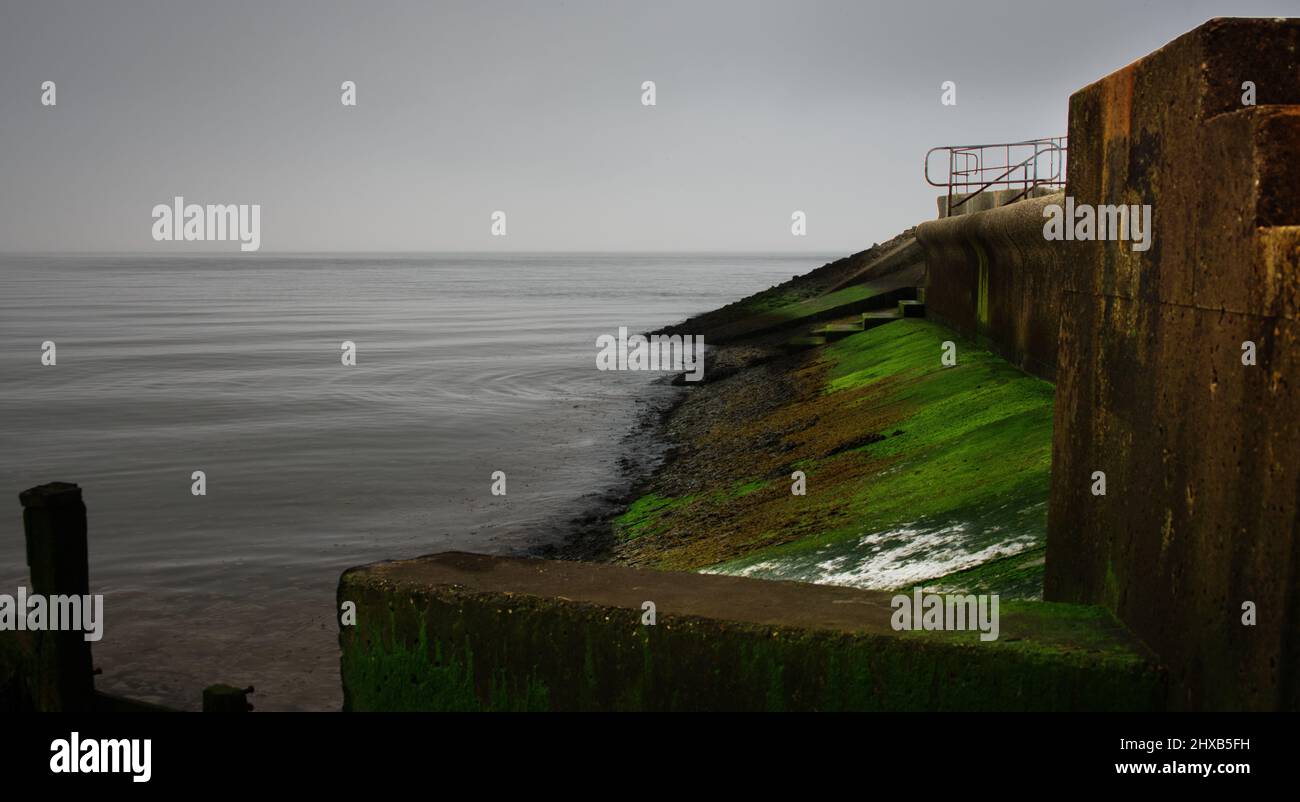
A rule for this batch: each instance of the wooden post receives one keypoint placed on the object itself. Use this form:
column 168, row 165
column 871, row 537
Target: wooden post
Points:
column 54, row 523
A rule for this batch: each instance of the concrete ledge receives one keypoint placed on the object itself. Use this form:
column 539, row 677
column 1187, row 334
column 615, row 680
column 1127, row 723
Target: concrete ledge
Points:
column 988, row 199
column 461, row 631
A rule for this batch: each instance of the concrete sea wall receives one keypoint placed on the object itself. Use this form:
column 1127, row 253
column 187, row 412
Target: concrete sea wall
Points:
column 994, row 278
column 473, row 632
column 1201, row 453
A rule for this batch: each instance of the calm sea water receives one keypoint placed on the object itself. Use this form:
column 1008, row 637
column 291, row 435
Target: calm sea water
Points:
column 465, row 365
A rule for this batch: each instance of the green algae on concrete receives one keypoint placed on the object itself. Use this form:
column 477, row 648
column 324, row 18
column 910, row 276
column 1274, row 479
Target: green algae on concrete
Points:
column 474, row 632
column 1018, row 576
column 422, row 677
column 978, row 436
column 854, row 298
column 880, row 261
column 946, row 467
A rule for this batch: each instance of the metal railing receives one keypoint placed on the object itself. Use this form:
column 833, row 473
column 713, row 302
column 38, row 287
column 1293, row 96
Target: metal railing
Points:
column 1025, row 165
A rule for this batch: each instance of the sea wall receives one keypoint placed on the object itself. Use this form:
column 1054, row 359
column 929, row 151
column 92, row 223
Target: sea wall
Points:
column 473, row 632
column 1200, row 448
column 993, row 277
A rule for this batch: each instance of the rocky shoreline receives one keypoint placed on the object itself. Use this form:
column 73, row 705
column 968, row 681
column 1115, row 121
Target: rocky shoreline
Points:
column 649, row 448
column 589, row 536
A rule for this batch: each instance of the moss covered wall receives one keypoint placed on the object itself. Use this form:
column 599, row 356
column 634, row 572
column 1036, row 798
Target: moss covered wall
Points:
column 473, row 632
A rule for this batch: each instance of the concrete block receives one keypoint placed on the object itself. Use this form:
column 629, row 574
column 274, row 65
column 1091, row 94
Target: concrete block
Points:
column 473, row 632
column 1199, row 450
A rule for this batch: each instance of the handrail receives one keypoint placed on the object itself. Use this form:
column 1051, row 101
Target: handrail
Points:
column 967, row 167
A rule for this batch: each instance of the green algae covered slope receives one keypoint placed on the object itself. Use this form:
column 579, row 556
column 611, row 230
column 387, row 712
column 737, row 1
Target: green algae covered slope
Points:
column 801, row 295
column 914, row 471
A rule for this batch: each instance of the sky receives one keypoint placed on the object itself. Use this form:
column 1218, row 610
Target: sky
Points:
column 532, row 108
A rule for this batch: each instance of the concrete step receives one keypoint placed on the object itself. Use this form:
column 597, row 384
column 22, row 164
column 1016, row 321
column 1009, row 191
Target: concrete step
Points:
column 882, row 294
column 872, row 319
column 837, row 331
column 805, row 341
column 911, row 308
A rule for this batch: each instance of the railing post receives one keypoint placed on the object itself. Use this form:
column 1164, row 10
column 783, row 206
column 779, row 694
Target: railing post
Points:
column 966, row 182
column 952, row 161
column 54, row 524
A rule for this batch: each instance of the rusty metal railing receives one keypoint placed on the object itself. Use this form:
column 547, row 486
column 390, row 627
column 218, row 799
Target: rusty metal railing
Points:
column 1025, row 165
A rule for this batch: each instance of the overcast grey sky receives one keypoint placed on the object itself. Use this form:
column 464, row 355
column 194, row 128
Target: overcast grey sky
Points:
column 533, row 108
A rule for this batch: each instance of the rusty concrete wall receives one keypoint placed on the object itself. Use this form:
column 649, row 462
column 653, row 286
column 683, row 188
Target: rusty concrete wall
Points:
column 995, row 279
column 1201, row 453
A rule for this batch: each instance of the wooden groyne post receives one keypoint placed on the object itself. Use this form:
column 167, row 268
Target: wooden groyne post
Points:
column 54, row 525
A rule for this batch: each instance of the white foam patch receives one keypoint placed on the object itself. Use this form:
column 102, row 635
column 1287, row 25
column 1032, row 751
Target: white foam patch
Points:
column 895, row 558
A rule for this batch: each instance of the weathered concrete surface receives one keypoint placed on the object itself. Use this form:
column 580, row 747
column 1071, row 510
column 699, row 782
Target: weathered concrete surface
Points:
column 466, row 631
column 989, row 199
column 994, row 278
column 906, row 254
column 1201, row 453
column 882, row 292
column 837, row 275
